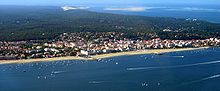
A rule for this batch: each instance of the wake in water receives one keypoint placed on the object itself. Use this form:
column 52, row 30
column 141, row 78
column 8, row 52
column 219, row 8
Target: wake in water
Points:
column 211, row 77
column 51, row 75
column 96, row 82
column 203, row 79
column 178, row 56
column 173, row 56
column 57, row 72
column 177, row 66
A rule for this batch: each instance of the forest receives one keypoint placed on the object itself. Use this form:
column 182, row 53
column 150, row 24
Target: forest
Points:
column 42, row 22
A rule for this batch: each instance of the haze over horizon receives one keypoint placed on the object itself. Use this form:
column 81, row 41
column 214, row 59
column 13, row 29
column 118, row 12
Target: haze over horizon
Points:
column 86, row 2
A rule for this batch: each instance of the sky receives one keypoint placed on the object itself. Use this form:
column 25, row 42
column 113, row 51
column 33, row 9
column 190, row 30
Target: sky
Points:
column 72, row 2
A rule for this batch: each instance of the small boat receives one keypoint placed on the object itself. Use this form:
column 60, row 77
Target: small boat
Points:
column 99, row 60
column 158, row 53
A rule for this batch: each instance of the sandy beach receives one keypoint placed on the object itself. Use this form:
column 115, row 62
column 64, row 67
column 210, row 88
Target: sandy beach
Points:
column 95, row 57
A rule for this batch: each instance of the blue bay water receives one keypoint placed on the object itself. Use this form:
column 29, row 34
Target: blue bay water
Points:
column 196, row 70
column 209, row 13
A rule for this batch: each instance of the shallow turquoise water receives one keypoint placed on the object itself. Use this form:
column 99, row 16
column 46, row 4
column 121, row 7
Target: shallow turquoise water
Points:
column 176, row 71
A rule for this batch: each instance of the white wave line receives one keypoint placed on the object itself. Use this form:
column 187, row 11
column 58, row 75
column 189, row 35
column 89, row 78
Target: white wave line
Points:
column 177, row 66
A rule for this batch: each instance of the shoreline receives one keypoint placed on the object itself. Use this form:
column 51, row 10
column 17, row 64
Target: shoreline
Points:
column 101, row 56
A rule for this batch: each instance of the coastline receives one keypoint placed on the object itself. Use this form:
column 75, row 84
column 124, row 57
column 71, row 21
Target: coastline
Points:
column 101, row 56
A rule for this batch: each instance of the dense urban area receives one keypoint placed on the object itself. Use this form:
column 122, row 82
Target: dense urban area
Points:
column 84, row 44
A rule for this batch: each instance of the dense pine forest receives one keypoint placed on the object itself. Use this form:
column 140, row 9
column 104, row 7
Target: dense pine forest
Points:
column 34, row 23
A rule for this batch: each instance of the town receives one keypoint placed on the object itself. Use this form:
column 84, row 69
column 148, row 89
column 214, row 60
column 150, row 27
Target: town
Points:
column 84, row 44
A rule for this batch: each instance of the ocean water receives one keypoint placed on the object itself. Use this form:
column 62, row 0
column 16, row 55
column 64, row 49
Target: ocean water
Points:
column 196, row 70
column 209, row 13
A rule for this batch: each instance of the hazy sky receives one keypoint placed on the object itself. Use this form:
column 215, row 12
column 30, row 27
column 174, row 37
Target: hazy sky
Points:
column 71, row 2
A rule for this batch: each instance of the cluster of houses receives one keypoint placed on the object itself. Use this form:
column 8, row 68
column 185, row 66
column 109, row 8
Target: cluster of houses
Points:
column 80, row 44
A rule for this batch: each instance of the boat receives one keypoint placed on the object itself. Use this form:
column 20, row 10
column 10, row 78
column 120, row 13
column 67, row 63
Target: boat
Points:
column 158, row 53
